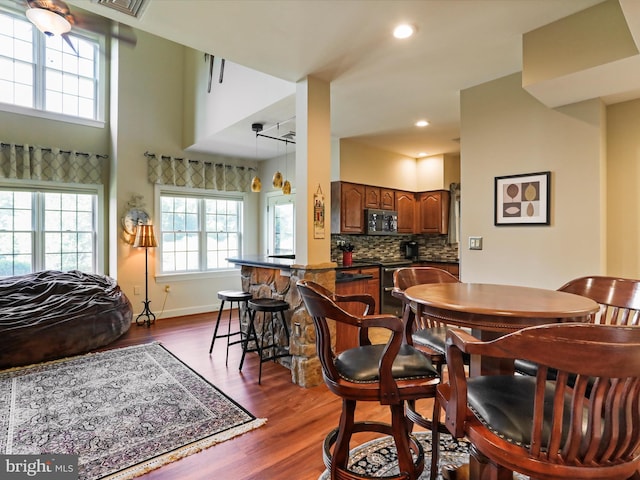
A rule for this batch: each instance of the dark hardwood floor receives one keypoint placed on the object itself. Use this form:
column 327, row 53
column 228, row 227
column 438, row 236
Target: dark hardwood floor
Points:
column 288, row 447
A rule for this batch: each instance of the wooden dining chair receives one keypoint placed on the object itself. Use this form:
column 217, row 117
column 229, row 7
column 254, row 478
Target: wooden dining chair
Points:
column 425, row 333
column 550, row 429
column 619, row 300
column 389, row 374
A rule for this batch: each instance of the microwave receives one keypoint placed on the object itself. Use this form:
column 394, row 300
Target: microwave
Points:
column 381, row 222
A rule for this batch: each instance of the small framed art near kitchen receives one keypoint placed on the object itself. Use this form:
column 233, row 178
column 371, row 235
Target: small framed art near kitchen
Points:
column 522, row 199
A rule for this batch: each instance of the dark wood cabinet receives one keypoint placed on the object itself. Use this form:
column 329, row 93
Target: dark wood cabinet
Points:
column 405, row 205
column 346, row 335
column 347, row 207
column 378, row 197
column 433, row 212
column 452, row 268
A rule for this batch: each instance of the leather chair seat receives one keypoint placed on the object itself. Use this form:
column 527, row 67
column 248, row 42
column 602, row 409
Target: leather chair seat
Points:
column 504, row 404
column 525, row 367
column 362, row 364
column 435, row 338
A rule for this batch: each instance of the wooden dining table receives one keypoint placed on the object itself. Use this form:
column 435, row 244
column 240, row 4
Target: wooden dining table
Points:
column 490, row 311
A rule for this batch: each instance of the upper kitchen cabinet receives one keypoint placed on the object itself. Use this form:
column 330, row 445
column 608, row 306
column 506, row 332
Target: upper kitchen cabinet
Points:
column 347, row 207
column 433, row 212
column 380, row 198
column 405, row 205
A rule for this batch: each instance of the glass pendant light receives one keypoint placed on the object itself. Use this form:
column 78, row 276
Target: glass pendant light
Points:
column 256, row 184
column 277, row 177
column 286, row 186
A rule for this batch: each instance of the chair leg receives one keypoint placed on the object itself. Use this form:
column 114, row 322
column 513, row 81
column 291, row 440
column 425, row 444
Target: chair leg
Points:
column 341, row 450
column 215, row 330
column 401, row 439
column 226, row 360
column 435, row 439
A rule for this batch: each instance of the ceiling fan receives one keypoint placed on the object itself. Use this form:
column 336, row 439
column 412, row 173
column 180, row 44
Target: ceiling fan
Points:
column 53, row 17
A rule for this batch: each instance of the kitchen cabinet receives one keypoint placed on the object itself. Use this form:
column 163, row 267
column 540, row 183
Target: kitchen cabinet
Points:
column 405, row 205
column 380, row 198
column 347, row 207
column 433, row 212
column 346, row 335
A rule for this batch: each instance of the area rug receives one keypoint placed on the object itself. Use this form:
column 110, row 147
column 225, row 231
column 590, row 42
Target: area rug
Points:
column 378, row 458
column 123, row 412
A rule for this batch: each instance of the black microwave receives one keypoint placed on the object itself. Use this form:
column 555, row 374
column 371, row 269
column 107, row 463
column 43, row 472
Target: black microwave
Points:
column 381, row 222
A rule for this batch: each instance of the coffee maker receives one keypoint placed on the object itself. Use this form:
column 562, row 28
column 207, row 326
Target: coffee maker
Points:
column 411, row 250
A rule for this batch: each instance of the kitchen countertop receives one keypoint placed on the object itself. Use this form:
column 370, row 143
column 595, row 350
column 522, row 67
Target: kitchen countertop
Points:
column 342, row 277
column 263, row 261
column 285, row 263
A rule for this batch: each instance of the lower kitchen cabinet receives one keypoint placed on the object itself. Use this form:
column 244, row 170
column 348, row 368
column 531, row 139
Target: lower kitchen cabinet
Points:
column 347, row 336
column 452, row 268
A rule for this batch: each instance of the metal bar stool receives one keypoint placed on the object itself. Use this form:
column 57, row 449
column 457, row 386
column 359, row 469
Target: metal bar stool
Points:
column 230, row 296
column 273, row 307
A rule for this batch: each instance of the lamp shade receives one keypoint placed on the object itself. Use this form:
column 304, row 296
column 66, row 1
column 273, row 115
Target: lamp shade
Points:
column 48, row 22
column 145, row 237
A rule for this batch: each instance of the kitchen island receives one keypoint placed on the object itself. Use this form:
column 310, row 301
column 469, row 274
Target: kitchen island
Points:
column 276, row 277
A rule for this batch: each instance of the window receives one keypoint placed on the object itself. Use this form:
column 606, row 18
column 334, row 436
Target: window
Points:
column 47, row 230
column 199, row 232
column 44, row 73
column 281, row 213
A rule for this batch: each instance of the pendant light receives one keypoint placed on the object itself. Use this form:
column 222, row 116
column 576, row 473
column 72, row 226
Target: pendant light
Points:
column 256, row 184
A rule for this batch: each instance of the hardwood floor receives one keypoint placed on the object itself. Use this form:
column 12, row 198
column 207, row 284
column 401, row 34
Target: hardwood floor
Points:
column 288, row 447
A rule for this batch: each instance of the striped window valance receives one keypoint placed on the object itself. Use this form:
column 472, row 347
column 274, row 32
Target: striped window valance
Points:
column 32, row 162
column 184, row 172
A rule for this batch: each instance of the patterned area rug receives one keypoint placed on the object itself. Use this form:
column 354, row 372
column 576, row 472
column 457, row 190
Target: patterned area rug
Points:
column 124, row 411
column 378, row 458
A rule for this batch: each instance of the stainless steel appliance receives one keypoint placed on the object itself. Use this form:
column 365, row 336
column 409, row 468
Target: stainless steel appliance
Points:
column 381, row 222
column 389, row 303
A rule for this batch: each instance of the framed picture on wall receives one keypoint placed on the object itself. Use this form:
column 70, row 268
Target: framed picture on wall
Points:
column 522, row 199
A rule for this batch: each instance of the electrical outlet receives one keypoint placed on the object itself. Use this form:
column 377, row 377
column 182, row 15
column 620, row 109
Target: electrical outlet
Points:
column 136, row 290
column 167, row 288
column 475, row 243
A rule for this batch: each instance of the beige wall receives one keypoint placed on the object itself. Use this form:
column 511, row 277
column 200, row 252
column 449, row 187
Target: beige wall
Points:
column 506, row 131
column 623, row 180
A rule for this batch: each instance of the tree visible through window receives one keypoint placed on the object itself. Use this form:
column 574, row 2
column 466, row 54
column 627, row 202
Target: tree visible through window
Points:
column 199, row 233
column 47, row 231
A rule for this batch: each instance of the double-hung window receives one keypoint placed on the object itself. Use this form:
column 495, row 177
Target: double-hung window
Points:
column 199, row 231
column 48, row 229
column 44, row 74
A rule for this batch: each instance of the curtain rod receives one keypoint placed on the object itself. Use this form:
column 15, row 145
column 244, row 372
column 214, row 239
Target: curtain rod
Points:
column 206, row 162
column 49, row 149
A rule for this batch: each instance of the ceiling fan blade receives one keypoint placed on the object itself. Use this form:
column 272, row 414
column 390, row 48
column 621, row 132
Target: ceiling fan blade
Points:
column 69, row 42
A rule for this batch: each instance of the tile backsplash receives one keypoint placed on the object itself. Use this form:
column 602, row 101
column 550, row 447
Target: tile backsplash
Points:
column 390, row 247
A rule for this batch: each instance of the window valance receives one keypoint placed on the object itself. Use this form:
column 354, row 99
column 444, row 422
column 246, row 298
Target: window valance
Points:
column 184, row 172
column 32, row 162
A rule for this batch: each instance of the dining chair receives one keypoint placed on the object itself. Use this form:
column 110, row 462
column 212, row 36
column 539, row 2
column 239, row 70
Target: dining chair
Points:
column 389, row 374
column 549, row 429
column 619, row 300
column 425, row 333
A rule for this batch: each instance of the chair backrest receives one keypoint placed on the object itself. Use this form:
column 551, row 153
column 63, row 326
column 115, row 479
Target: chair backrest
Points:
column 619, row 298
column 404, row 278
column 320, row 306
column 596, row 429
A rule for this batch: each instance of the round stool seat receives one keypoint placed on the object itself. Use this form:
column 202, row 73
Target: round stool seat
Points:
column 268, row 305
column 234, row 295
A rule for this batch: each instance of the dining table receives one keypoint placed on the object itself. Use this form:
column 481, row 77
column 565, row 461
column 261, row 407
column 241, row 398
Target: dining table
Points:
column 490, row 311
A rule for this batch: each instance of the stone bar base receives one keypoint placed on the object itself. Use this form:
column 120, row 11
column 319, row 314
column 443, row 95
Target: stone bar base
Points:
column 264, row 282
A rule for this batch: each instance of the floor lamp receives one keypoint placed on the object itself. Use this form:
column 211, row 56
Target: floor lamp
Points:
column 145, row 238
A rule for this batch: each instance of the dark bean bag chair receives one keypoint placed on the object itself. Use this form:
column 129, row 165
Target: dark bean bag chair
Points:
column 51, row 314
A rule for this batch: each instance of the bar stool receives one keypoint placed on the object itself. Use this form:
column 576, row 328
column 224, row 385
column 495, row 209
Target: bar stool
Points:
column 230, row 296
column 273, row 307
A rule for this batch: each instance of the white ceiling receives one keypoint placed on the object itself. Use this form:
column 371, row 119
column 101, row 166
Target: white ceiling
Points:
column 380, row 86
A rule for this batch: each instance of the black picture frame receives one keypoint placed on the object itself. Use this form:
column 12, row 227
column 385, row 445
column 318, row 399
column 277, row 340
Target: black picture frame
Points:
column 523, row 199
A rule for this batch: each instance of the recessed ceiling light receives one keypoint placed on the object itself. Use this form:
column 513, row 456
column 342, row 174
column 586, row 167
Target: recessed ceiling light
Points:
column 422, row 123
column 404, row 30
column 422, row 154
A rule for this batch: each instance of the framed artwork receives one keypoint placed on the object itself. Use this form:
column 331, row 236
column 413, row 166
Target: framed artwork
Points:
column 318, row 213
column 522, row 199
